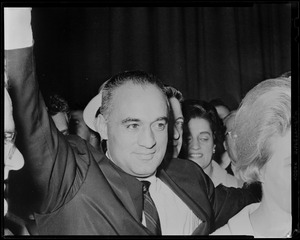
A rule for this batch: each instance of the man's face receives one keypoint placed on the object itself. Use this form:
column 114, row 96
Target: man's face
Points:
column 178, row 123
column 13, row 159
column 61, row 122
column 137, row 129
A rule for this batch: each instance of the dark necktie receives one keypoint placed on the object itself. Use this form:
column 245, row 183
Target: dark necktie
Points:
column 150, row 211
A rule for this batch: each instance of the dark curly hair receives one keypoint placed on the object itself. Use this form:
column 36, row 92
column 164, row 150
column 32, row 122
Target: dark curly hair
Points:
column 193, row 108
column 57, row 104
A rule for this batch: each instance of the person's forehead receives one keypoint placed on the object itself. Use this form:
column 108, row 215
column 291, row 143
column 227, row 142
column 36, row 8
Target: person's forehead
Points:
column 60, row 118
column 222, row 109
column 139, row 99
column 133, row 91
column 175, row 105
column 199, row 123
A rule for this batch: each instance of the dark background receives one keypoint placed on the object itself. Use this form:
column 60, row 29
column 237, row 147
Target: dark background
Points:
column 206, row 51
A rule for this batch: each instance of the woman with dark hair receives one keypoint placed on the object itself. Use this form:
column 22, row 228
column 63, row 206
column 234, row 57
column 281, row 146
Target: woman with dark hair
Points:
column 203, row 136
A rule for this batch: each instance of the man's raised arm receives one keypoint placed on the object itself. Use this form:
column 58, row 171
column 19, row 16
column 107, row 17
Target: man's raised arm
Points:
column 46, row 152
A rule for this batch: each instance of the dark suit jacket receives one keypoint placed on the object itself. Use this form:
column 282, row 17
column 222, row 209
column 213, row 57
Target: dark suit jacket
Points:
column 80, row 190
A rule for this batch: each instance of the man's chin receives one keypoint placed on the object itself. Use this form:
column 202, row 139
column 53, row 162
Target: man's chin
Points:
column 145, row 173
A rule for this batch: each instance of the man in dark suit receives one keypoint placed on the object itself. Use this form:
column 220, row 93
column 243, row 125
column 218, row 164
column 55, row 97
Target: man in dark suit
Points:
column 85, row 192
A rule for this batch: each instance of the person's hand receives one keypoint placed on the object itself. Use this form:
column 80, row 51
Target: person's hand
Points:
column 17, row 28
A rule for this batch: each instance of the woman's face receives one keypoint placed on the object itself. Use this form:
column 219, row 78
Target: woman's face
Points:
column 277, row 173
column 200, row 142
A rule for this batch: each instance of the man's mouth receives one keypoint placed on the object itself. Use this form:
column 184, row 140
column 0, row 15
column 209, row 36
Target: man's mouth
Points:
column 196, row 155
column 145, row 156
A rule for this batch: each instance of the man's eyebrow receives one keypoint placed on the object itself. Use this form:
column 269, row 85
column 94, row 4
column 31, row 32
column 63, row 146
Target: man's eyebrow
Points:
column 126, row 120
column 162, row 119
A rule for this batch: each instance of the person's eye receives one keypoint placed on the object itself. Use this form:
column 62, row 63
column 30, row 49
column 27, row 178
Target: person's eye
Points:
column 179, row 124
column 204, row 139
column 160, row 126
column 132, row 126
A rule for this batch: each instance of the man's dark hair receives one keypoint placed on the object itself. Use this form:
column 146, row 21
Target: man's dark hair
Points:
column 57, row 104
column 136, row 77
column 173, row 92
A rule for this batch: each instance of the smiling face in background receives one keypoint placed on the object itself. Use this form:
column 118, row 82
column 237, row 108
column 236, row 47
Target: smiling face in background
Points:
column 200, row 142
column 137, row 128
column 13, row 159
column 178, row 125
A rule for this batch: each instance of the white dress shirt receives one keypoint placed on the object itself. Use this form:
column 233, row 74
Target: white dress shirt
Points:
column 175, row 216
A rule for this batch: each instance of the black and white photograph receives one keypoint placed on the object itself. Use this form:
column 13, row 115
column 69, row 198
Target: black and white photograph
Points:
column 159, row 119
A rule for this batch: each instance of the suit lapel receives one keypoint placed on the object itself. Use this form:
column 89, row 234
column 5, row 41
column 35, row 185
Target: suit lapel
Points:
column 118, row 186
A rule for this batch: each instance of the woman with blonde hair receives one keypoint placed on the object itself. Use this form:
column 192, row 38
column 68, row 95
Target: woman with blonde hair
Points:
column 262, row 136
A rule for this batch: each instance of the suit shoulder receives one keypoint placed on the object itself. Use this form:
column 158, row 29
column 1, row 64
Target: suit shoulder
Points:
column 185, row 167
column 77, row 143
column 83, row 149
column 183, row 163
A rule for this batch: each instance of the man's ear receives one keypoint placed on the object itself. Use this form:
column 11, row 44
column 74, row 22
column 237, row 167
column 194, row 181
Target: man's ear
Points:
column 101, row 126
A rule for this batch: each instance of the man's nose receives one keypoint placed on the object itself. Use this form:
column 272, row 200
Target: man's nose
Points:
column 147, row 138
column 176, row 134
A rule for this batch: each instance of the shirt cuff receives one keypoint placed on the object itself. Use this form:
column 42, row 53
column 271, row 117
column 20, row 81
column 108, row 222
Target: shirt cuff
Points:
column 17, row 28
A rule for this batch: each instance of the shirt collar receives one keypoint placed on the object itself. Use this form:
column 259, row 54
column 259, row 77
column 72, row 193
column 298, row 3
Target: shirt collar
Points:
column 152, row 179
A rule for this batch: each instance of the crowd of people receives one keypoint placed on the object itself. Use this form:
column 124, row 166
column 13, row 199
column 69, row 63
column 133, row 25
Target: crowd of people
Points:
column 141, row 159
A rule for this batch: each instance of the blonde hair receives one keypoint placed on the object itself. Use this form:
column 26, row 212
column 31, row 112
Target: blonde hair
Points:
column 264, row 113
